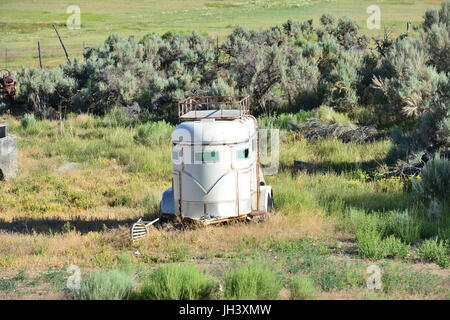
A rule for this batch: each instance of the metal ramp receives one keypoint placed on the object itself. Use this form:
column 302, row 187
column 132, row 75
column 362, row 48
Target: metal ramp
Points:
column 140, row 229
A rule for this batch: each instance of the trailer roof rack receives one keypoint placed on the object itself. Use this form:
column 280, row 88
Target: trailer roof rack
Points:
column 213, row 107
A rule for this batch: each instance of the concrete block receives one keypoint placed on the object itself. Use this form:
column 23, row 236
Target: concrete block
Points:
column 8, row 153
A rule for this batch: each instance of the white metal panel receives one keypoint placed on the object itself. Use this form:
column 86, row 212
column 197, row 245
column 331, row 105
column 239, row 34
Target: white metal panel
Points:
column 220, row 190
column 245, row 201
column 221, row 182
column 214, row 131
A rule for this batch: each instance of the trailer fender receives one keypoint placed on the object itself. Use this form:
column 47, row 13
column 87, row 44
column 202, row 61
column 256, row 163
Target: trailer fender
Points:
column 266, row 199
column 167, row 205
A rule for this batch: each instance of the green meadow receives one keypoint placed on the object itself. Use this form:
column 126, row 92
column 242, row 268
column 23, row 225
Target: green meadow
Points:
column 23, row 23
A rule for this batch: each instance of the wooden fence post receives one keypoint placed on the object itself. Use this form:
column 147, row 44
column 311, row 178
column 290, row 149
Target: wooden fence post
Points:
column 62, row 44
column 40, row 55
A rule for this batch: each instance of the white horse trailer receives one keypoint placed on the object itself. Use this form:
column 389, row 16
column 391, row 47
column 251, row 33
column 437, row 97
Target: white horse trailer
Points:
column 216, row 168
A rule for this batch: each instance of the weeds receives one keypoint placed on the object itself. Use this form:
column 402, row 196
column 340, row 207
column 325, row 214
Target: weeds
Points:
column 106, row 285
column 435, row 250
column 178, row 252
column 395, row 248
column 154, row 133
column 398, row 279
column 404, row 226
column 369, row 244
column 28, row 121
column 376, row 235
column 327, row 114
column 368, row 230
column 281, row 121
column 114, row 118
column 251, row 282
column 57, row 277
column 335, row 276
column 177, row 282
column 303, row 288
column 22, row 275
column 7, row 285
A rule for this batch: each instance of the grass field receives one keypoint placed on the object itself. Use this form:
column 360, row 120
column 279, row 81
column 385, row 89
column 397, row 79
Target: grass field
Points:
column 333, row 221
column 23, row 23
column 51, row 220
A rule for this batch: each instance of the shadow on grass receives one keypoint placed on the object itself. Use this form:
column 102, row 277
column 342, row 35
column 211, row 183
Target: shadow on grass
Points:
column 330, row 166
column 379, row 202
column 53, row 225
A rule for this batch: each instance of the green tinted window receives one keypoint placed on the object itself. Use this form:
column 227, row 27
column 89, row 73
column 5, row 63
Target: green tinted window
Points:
column 212, row 156
column 242, row 154
column 175, row 155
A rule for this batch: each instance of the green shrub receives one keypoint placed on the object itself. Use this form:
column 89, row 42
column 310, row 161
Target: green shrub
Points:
column 277, row 121
column 379, row 236
column 3, row 105
column 252, row 282
column 434, row 182
column 372, row 246
column 394, row 247
column 369, row 244
column 178, row 252
column 437, row 227
column 115, row 117
column 22, row 275
column 337, row 276
column 437, row 27
column 122, row 200
column 106, row 285
column 177, row 282
column 360, row 222
column 301, row 116
column 369, row 229
column 8, row 284
column 284, row 68
column 281, row 121
column 404, row 226
column 392, row 184
column 328, row 115
column 153, row 133
column 28, row 121
column 435, row 250
column 398, row 279
column 45, row 91
column 332, row 279
column 303, row 288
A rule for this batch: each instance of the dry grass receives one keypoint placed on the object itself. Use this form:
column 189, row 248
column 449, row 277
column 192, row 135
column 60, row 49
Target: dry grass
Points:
column 63, row 216
column 82, row 216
